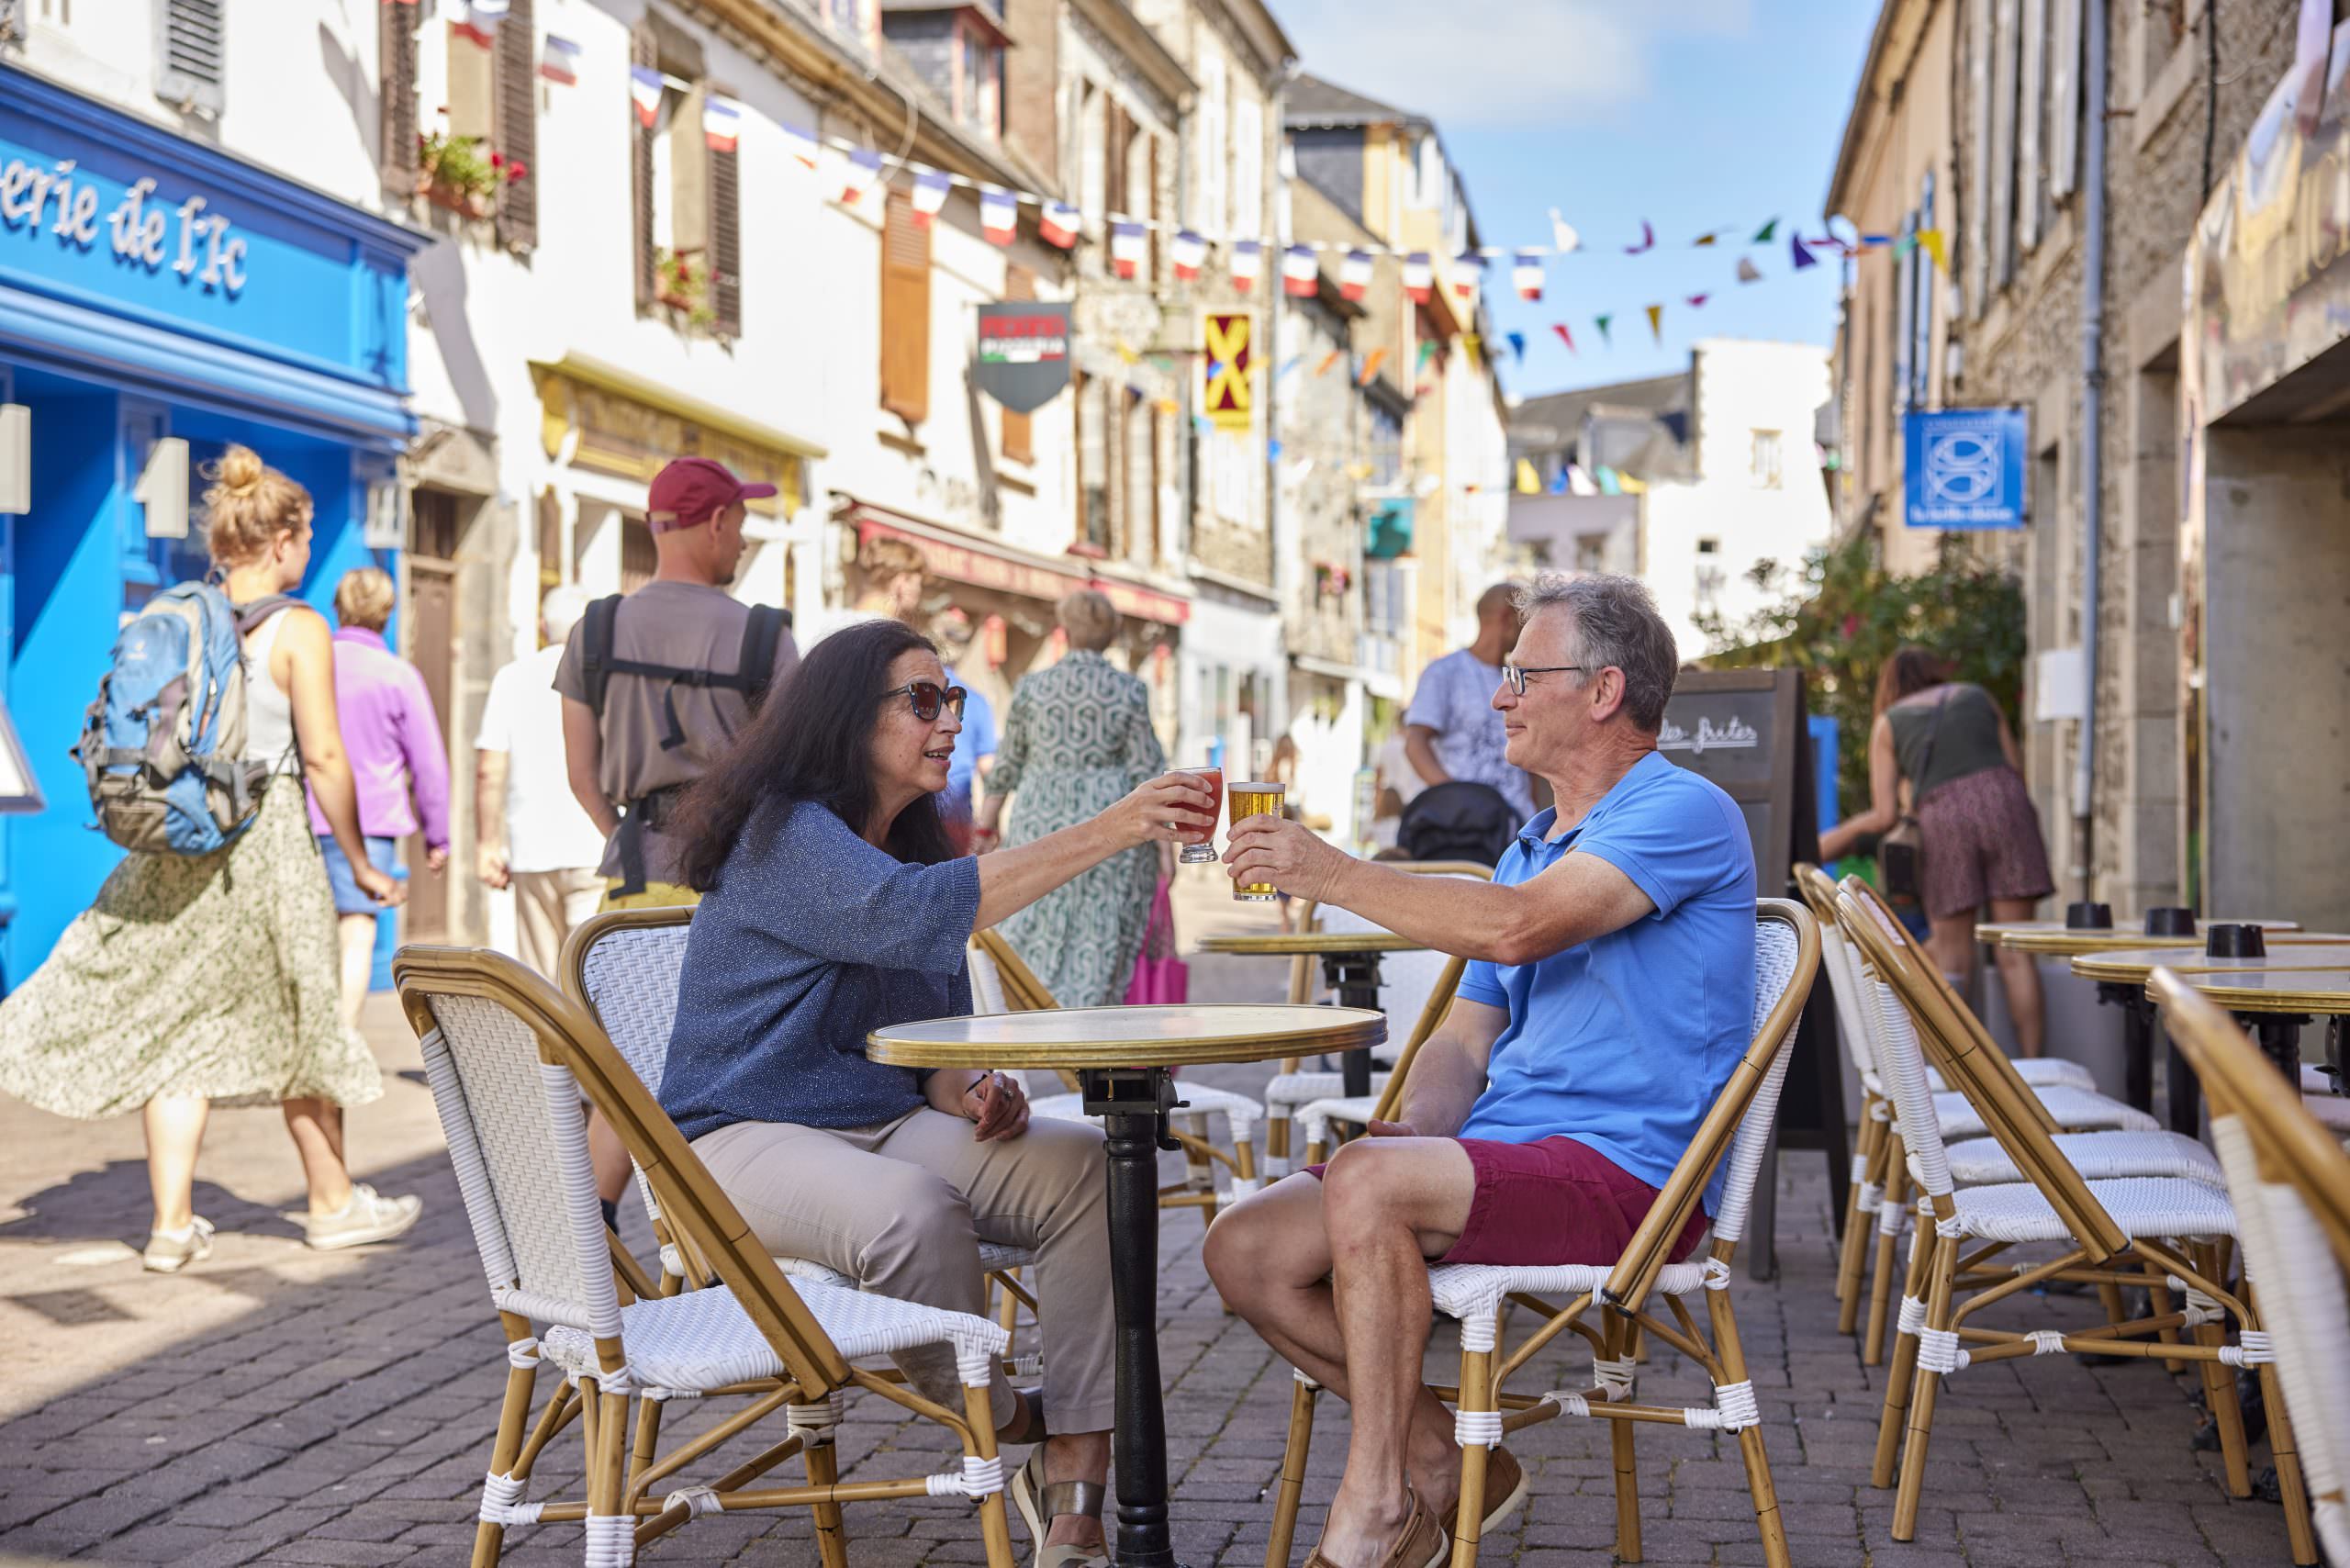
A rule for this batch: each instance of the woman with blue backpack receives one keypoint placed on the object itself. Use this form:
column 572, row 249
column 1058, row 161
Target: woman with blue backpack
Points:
column 206, row 970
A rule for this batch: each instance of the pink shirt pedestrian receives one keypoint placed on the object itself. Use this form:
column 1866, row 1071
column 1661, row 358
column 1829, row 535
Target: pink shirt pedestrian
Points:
column 393, row 739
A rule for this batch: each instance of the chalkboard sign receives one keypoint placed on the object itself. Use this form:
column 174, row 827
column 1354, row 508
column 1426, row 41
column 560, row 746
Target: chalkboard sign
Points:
column 1748, row 731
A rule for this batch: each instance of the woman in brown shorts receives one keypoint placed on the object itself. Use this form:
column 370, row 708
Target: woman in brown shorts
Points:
column 1948, row 742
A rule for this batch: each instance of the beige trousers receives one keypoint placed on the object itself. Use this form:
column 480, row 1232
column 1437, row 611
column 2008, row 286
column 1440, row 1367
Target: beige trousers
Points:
column 547, row 904
column 902, row 1208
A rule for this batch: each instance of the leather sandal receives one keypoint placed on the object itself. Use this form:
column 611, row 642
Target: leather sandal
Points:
column 1423, row 1543
column 1041, row 1501
column 1031, row 1430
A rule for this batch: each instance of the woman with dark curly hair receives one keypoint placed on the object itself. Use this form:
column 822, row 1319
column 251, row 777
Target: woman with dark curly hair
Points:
column 833, row 905
column 1950, row 743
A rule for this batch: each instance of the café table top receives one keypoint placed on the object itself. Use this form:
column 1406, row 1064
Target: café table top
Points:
column 2277, row 991
column 1182, row 1035
column 2130, row 966
column 1993, row 931
column 1290, row 944
column 2060, row 942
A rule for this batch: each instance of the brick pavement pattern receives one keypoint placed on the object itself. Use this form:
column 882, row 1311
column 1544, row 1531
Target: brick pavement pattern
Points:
column 277, row 1406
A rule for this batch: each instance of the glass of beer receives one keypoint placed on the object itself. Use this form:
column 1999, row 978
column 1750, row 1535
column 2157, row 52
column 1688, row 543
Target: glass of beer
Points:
column 1203, row 852
column 1256, row 800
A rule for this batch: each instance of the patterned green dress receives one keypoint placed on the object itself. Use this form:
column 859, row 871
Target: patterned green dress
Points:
column 1077, row 740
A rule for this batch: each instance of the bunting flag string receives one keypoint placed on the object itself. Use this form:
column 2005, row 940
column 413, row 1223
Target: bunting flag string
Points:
column 999, row 215
column 1333, row 357
column 1648, row 239
column 1525, row 273
column 1565, row 336
column 1186, row 255
column 722, row 125
column 1602, row 323
column 1419, row 276
column 1371, row 365
column 859, row 173
column 1517, row 346
column 1468, row 273
column 930, row 195
column 1129, row 246
column 559, row 61
column 1696, row 301
column 1354, row 275
column 1059, row 225
column 644, row 89
column 1798, row 254
column 1564, row 240
column 1748, row 272
column 1656, row 322
column 1248, row 260
column 1300, row 273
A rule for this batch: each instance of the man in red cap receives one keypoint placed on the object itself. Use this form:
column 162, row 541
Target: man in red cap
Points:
column 657, row 683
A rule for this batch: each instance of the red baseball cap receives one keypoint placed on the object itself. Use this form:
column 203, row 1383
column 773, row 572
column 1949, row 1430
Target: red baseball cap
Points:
column 689, row 491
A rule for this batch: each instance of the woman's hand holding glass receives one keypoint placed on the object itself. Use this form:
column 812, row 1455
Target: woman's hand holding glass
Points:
column 1175, row 808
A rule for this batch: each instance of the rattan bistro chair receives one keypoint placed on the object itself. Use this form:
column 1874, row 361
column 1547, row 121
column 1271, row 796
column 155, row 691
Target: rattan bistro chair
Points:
column 2111, row 1233
column 1007, row 976
column 1739, row 1129
column 2292, row 1184
column 509, row 1058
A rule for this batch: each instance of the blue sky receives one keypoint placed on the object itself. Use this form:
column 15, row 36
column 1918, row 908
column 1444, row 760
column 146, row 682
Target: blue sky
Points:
column 1692, row 113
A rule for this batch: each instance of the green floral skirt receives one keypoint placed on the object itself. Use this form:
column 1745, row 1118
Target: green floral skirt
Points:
column 212, row 975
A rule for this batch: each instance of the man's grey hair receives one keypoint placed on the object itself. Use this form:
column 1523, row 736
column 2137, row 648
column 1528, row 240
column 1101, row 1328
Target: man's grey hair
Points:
column 1615, row 624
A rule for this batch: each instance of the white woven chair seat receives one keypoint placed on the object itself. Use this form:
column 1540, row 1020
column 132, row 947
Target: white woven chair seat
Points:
column 1462, row 1290
column 2147, row 1207
column 1288, row 1091
column 2041, row 1072
column 1243, row 1113
column 2077, row 1110
column 1315, row 1118
column 1981, row 1162
column 703, row 1339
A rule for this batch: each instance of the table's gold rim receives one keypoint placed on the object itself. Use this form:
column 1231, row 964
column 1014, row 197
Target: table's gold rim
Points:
column 2241, row 999
column 1339, row 1029
column 2104, row 966
column 2067, row 942
column 1311, row 943
column 1992, row 932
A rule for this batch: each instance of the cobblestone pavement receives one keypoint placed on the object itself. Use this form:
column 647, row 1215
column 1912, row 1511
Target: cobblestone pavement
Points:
column 279, row 1406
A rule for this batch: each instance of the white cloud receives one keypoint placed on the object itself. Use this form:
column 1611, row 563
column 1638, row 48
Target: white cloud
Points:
column 1499, row 62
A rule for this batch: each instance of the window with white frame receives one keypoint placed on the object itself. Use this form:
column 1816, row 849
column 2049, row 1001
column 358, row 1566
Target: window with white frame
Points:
column 1231, row 463
column 1764, row 463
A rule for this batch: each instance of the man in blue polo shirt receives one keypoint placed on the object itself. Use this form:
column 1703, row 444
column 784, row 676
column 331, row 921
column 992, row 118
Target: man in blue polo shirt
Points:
column 1610, row 995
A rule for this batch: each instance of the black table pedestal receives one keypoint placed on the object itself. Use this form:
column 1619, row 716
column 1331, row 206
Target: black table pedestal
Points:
column 2279, row 1034
column 1354, row 978
column 1134, row 1103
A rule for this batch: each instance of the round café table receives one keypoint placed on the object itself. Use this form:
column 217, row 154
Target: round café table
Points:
column 1121, row 1057
column 2275, row 1003
column 2054, row 939
column 1349, row 968
column 2121, row 973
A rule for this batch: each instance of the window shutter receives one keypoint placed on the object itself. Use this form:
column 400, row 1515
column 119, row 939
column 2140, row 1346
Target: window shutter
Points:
column 2031, row 108
column 905, row 313
column 2065, row 100
column 1113, row 159
column 641, row 52
column 726, row 241
column 518, row 127
column 188, row 63
column 1019, row 429
column 1150, row 202
column 396, row 44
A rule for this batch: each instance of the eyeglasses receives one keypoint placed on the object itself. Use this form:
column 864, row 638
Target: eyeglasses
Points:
column 929, row 696
column 1514, row 675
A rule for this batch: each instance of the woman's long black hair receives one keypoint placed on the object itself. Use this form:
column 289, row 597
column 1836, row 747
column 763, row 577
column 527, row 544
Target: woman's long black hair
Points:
column 812, row 742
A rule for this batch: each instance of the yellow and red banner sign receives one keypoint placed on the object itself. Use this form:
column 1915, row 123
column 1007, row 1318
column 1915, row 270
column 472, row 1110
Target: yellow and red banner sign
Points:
column 1228, row 354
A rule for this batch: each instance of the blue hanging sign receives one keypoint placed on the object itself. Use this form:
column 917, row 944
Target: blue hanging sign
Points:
column 1964, row 468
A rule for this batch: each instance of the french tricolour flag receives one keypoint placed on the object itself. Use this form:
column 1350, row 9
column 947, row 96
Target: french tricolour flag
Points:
column 1301, row 273
column 1468, row 272
column 722, row 123
column 1060, row 224
column 1248, row 261
column 1419, row 276
column 559, row 62
column 480, row 19
column 931, row 187
column 1354, row 275
column 644, row 92
column 1526, row 273
column 800, row 142
column 1187, row 253
column 858, row 172
column 1128, row 247
column 998, row 215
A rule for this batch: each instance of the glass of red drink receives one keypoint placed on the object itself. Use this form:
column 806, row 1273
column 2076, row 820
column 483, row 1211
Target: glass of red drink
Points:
column 1203, row 852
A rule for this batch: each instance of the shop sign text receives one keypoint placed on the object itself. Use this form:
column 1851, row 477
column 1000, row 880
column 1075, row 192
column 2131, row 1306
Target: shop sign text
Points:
column 142, row 231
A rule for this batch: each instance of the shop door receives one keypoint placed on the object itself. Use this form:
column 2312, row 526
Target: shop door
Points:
column 431, row 642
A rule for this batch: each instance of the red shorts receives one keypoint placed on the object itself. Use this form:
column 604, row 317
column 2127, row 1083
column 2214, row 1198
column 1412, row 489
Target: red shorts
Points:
column 1554, row 1200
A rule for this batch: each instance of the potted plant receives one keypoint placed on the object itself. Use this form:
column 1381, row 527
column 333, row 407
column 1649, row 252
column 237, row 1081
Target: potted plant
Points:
column 682, row 282
column 458, row 172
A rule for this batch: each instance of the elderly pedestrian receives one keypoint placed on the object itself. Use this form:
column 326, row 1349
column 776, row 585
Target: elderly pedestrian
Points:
column 1077, row 738
column 201, row 980
column 1609, row 997
column 397, row 762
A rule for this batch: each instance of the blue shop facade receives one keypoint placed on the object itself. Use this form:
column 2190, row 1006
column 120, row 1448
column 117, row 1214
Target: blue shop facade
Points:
column 155, row 291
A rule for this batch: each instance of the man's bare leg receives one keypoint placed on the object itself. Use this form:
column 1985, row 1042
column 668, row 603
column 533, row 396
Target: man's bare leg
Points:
column 1387, row 1206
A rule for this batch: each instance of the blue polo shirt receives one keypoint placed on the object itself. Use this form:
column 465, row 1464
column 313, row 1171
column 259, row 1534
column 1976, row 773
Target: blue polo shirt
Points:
column 1624, row 1042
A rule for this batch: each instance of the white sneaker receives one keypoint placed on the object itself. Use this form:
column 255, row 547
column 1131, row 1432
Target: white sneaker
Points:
column 168, row 1253
column 366, row 1217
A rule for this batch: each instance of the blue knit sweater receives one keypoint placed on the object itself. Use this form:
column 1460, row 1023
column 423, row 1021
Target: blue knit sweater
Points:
column 812, row 938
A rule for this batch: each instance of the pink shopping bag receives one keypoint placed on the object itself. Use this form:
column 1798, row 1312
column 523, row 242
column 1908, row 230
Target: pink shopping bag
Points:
column 1159, row 975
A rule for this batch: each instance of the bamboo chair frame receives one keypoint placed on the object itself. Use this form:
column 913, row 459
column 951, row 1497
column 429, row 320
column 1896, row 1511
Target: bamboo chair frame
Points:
column 1626, row 1320
column 815, row 1373
column 2102, row 1252
column 2271, row 1139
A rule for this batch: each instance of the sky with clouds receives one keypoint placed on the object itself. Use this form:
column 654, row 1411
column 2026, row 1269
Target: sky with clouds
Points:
column 1689, row 114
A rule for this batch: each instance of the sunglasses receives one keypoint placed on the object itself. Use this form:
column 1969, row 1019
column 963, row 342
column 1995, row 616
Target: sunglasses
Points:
column 929, row 696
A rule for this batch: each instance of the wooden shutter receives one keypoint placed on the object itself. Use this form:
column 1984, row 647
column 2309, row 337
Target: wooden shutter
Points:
column 1019, row 429
column 905, row 312
column 641, row 52
column 396, row 37
column 1150, row 202
column 518, row 126
column 2031, row 114
column 1113, row 158
column 1158, row 540
column 189, row 46
column 726, row 240
column 2065, row 100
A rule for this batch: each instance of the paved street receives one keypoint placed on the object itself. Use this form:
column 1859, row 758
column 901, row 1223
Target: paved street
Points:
column 279, row 1406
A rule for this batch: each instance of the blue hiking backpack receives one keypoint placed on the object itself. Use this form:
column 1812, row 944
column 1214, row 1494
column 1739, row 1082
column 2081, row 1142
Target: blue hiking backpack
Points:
column 162, row 747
